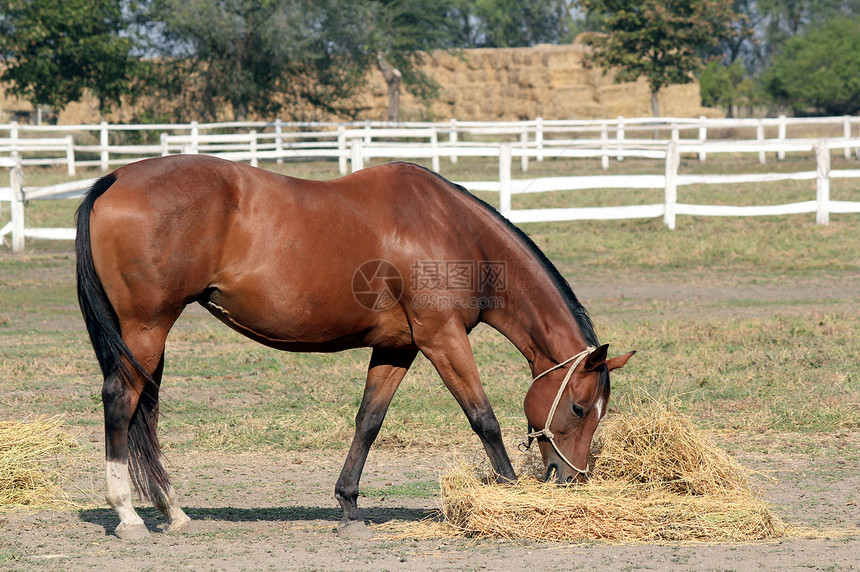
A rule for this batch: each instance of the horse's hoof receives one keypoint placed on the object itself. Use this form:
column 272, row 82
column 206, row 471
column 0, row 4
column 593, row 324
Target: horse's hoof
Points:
column 353, row 529
column 131, row 531
column 184, row 525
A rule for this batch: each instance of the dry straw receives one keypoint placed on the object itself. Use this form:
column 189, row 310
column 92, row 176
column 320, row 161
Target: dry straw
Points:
column 33, row 457
column 656, row 478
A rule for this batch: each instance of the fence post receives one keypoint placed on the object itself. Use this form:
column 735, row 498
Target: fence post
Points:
column 524, row 143
column 163, row 140
column 357, row 155
column 846, row 132
column 822, row 182
column 104, row 156
column 434, row 145
column 539, row 137
column 341, row 147
column 70, row 155
column 17, row 207
column 279, row 140
column 780, row 155
column 505, row 179
column 759, row 135
column 604, row 139
column 619, row 136
column 703, row 137
column 673, row 160
column 857, row 149
column 452, row 138
column 253, row 148
column 13, row 140
column 195, row 138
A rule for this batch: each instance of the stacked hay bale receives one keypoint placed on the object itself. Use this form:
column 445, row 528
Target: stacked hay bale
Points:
column 549, row 81
column 656, row 478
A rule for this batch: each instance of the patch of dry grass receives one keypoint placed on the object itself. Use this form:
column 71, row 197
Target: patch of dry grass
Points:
column 33, row 457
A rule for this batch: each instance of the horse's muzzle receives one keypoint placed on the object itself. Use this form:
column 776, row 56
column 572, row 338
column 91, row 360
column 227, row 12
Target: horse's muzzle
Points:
column 555, row 473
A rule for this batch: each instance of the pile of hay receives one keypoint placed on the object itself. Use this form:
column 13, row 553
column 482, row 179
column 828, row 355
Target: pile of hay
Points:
column 33, row 455
column 656, row 478
column 654, row 444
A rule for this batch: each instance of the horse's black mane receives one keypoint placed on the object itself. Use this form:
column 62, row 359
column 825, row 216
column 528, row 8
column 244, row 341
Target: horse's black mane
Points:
column 573, row 304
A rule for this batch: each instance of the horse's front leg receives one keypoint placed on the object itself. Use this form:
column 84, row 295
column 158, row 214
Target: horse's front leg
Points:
column 386, row 371
column 450, row 352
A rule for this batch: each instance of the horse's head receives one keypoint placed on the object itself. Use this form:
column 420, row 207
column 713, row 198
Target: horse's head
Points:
column 564, row 406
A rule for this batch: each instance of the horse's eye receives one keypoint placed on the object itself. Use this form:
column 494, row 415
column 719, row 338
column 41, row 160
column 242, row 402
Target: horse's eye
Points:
column 578, row 411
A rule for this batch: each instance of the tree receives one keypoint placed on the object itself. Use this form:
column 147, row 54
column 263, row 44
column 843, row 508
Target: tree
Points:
column 55, row 49
column 819, row 70
column 257, row 56
column 727, row 86
column 742, row 43
column 661, row 41
column 403, row 33
column 514, row 23
column 784, row 19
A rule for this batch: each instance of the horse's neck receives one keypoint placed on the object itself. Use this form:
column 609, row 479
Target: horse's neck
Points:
column 532, row 313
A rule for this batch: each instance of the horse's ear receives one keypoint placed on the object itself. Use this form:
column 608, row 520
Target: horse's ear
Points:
column 619, row 361
column 596, row 358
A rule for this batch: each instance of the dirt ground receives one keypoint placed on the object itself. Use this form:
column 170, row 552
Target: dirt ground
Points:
column 277, row 512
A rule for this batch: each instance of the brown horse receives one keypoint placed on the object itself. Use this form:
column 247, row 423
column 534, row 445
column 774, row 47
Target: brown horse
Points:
column 393, row 257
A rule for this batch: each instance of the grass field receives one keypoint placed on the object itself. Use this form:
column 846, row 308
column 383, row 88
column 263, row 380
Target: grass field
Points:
column 752, row 324
column 765, row 365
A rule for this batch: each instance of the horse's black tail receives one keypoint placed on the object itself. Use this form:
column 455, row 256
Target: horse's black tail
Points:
column 113, row 354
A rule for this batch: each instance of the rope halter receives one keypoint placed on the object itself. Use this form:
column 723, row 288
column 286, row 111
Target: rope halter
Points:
column 545, row 432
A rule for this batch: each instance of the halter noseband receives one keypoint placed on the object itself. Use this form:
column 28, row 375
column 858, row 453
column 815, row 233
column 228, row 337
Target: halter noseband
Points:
column 545, row 432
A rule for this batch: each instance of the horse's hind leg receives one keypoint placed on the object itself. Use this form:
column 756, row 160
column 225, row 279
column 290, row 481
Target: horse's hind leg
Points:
column 130, row 406
column 120, row 402
column 386, row 371
column 163, row 496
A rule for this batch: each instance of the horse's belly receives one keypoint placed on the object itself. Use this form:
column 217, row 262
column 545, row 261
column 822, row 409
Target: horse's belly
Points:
column 303, row 322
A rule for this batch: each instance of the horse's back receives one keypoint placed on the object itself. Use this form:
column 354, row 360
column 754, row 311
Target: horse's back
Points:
column 271, row 255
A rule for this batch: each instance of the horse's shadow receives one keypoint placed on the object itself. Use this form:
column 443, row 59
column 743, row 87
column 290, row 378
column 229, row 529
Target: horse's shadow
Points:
column 154, row 520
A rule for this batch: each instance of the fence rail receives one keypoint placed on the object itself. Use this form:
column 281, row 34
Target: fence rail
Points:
column 280, row 140
column 356, row 146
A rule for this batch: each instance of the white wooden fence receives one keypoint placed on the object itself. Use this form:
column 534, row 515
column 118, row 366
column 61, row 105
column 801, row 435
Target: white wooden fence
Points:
column 669, row 152
column 255, row 141
column 670, row 208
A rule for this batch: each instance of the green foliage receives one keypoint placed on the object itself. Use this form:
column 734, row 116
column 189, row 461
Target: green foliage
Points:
column 514, row 23
column 785, row 19
column 404, row 31
column 727, row 86
column 819, row 71
column 192, row 59
column 54, row 49
column 657, row 40
column 256, row 55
